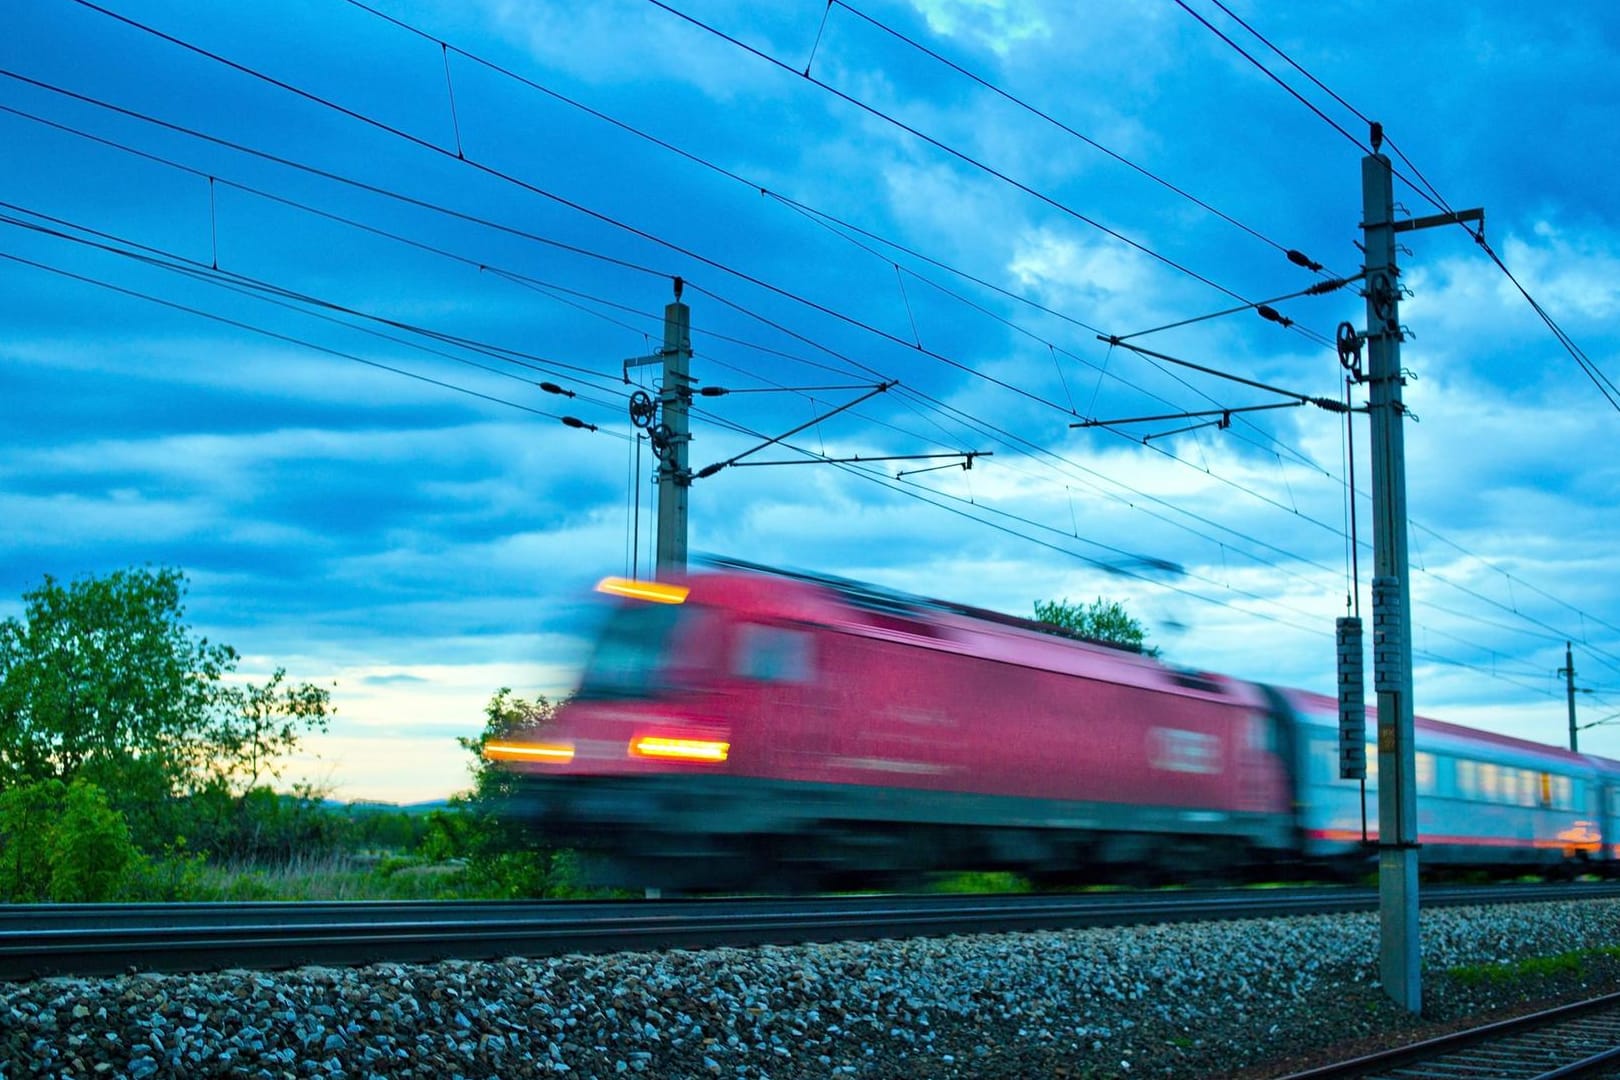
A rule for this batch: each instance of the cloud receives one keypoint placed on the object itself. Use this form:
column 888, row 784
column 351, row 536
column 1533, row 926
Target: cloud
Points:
column 424, row 547
column 1000, row 25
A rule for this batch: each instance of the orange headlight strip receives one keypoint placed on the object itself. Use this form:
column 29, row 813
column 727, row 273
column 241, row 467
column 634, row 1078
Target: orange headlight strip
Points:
column 648, row 746
column 658, row 592
column 655, row 746
column 554, row 753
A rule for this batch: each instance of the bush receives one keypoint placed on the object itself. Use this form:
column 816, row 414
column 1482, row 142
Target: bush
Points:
column 63, row 844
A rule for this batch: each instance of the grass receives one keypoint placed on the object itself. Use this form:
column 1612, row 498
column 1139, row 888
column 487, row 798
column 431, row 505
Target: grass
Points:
column 1531, row 968
column 981, row 881
column 335, row 877
column 350, row 876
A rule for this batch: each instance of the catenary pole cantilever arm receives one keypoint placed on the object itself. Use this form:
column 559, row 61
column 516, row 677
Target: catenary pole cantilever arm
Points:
column 967, row 455
column 1330, row 404
column 1188, row 415
column 710, row 470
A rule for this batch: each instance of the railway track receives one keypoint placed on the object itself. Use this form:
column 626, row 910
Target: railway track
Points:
column 1577, row 1040
column 101, row 939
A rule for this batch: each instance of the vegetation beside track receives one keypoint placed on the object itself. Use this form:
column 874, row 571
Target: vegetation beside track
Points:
column 1512, row 983
column 136, row 764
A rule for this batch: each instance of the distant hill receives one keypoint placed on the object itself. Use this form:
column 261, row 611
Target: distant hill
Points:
column 377, row 806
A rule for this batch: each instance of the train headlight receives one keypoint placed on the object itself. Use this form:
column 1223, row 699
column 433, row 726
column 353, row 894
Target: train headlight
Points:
column 548, row 753
column 658, row 746
column 658, row 592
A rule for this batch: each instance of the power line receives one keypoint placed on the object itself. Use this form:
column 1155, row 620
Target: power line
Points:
column 252, row 286
column 1295, row 94
column 993, row 510
column 324, row 174
column 948, row 149
column 311, row 300
column 1604, row 384
column 687, row 253
column 1295, row 257
column 913, row 491
column 750, row 278
column 707, row 261
column 286, row 338
column 1511, row 577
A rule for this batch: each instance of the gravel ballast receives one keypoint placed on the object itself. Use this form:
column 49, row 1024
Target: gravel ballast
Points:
column 1190, row 1000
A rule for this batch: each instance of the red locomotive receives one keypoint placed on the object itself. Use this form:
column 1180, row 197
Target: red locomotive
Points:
column 750, row 729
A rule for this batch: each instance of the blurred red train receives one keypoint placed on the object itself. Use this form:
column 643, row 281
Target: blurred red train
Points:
column 755, row 729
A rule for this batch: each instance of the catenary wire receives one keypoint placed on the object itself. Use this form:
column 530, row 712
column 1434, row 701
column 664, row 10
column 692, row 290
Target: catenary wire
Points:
column 228, row 62
column 267, row 293
column 945, row 148
column 560, row 199
column 1059, row 124
column 1604, row 384
column 722, row 266
column 285, row 338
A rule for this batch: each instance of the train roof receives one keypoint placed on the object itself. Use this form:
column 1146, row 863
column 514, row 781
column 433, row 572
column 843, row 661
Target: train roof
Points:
column 1443, row 732
column 766, row 592
column 771, row 592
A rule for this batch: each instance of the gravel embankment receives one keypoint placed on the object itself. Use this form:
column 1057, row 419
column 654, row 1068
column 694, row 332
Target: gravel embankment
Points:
column 1191, row 1000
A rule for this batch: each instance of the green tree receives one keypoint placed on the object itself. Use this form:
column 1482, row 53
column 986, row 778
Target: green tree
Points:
column 1101, row 620
column 27, row 812
column 503, row 856
column 101, row 679
column 257, row 728
column 92, row 848
column 103, row 669
column 504, row 715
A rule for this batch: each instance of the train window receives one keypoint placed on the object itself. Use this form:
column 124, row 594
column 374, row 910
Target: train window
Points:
column 631, row 650
column 1445, row 775
column 1490, row 782
column 773, row 654
column 1425, row 773
column 1467, row 779
column 1259, row 736
column 1545, row 796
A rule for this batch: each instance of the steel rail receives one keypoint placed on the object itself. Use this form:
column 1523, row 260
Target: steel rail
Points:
column 101, row 939
column 1578, row 1039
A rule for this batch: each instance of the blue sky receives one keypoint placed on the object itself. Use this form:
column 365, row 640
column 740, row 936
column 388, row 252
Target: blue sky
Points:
column 208, row 277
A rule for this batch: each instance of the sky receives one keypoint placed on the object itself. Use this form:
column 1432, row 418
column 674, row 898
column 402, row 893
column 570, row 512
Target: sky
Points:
column 279, row 281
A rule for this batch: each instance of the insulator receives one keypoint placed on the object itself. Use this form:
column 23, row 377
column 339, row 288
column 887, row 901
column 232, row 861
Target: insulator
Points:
column 1352, row 701
column 1299, row 258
